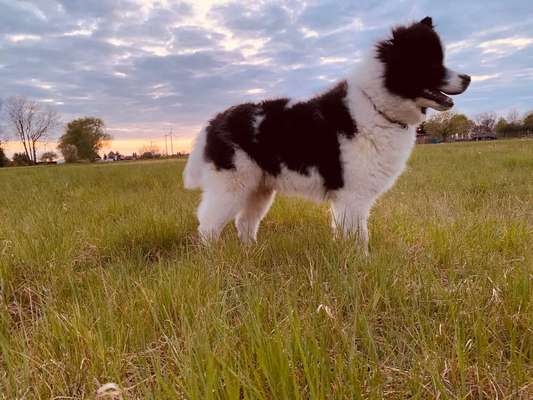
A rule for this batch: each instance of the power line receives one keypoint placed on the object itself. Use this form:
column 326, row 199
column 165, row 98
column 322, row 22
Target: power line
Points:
column 169, row 135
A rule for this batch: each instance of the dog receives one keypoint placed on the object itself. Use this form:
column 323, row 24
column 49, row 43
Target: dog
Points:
column 346, row 146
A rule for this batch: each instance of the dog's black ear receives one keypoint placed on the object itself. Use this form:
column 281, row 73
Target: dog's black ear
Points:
column 427, row 21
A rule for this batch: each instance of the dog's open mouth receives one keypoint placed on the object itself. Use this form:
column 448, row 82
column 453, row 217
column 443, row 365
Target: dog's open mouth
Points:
column 438, row 99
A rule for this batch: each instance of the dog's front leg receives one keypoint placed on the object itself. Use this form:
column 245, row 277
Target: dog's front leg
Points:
column 350, row 220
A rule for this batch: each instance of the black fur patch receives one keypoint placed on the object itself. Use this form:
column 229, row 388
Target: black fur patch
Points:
column 413, row 59
column 299, row 137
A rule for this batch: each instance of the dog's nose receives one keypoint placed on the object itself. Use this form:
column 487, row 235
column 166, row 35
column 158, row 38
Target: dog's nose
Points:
column 465, row 79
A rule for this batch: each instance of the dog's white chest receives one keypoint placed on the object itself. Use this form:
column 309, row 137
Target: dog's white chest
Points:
column 373, row 161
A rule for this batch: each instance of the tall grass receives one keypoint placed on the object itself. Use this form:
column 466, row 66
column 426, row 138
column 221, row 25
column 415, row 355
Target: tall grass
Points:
column 102, row 280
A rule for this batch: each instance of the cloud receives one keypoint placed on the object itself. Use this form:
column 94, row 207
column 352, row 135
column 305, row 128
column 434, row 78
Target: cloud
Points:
column 481, row 78
column 147, row 65
column 456, row 47
column 23, row 38
column 333, row 60
column 505, row 46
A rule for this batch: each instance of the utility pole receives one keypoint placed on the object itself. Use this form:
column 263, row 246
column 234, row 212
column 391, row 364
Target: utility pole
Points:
column 171, row 143
column 166, row 145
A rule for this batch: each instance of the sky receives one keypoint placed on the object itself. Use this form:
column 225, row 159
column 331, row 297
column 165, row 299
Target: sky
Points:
column 151, row 67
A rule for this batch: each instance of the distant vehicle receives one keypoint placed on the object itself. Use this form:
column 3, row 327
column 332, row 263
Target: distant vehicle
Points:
column 483, row 136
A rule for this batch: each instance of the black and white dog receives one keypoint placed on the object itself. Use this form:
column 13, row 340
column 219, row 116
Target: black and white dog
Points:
column 346, row 146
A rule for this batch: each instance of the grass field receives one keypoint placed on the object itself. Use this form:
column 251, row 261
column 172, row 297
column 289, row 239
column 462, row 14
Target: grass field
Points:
column 102, row 280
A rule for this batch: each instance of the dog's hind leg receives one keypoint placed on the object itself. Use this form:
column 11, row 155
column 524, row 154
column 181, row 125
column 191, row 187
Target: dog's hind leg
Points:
column 216, row 210
column 225, row 194
column 257, row 205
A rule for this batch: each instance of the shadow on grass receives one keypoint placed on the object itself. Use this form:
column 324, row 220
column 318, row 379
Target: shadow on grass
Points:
column 144, row 246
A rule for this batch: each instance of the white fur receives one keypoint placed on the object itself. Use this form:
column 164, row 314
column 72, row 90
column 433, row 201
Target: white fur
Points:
column 227, row 193
column 257, row 205
column 377, row 155
column 257, row 121
column 454, row 84
column 310, row 186
column 192, row 175
column 372, row 161
column 292, row 102
column 428, row 103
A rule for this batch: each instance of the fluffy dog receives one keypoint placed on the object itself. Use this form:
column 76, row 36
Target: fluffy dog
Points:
column 346, row 146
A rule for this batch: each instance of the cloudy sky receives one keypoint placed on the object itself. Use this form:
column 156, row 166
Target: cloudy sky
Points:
column 149, row 66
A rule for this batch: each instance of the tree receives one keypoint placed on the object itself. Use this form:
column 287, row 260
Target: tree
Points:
column 515, row 125
column 485, row 123
column 48, row 156
column 70, row 153
column 2, row 137
column 32, row 122
column 87, row 134
column 501, row 126
column 21, row 159
column 461, row 126
column 446, row 125
column 514, row 117
column 4, row 161
column 528, row 123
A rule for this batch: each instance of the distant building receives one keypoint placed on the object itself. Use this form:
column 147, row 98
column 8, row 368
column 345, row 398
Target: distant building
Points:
column 114, row 156
column 483, row 136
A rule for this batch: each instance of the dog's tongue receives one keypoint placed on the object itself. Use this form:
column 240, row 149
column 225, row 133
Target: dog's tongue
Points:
column 438, row 97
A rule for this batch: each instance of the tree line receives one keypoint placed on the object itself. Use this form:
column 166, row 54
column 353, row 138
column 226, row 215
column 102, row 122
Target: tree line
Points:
column 448, row 125
column 30, row 122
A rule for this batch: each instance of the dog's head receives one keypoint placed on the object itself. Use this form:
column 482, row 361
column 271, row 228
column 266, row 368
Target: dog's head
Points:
column 414, row 67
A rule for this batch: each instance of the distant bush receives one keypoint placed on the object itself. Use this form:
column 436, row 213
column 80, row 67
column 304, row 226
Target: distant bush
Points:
column 21, row 159
column 149, row 152
column 148, row 155
column 48, row 156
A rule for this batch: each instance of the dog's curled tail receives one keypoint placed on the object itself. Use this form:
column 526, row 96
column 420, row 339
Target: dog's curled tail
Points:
column 192, row 175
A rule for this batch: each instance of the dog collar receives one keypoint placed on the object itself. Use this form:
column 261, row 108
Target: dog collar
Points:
column 389, row 119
